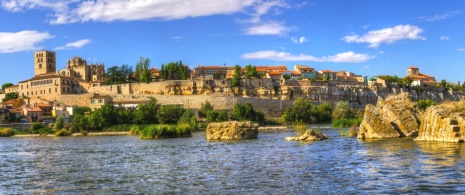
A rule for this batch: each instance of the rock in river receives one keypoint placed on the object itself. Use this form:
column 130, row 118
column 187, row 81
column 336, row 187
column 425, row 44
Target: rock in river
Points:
column 232, row 130
column 309, row 135
column 397, row 116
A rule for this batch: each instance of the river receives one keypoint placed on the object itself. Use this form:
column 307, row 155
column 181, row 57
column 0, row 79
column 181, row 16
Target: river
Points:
column 267, row 165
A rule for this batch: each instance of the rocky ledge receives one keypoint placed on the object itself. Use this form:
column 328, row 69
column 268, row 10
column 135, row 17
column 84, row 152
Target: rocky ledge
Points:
column 309, row 135
column 232, row 130
column 397, row 116
column 444, row 122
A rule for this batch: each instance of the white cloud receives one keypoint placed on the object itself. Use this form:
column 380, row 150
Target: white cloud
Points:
column 461, row 49
column 443, row 38
column 70, row 11
column 387, row 35
column 299, row 40
column 11, row 42
column 268, row 28
column 347, row 57
column 439, row 16
column 75, row 45
column 366, row 67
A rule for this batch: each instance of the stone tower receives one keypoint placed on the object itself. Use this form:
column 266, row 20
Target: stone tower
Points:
column 44, row 62
column 413, row 71
column 79, row 68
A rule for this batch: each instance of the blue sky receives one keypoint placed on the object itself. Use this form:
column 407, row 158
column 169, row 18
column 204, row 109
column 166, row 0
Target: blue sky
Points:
column 362, row 36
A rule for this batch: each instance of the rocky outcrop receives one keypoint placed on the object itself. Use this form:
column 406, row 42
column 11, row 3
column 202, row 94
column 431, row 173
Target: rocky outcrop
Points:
column 397, row 116
column 309, row 135
column 444, row 123
column 232, row 130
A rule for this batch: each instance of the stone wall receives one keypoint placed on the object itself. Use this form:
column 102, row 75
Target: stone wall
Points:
column 17, row 126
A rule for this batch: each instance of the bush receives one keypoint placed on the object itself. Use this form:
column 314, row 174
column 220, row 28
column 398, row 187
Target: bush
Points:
column 7, row 132
column 344, row 123
column 134, row 130
column 118, row 128
column 300, row 127
column 424, row 104
column 59, row 123
column 37, row 126
column 166, row 131
column 342, row 110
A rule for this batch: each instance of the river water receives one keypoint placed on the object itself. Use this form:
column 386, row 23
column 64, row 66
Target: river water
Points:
column 267, row 165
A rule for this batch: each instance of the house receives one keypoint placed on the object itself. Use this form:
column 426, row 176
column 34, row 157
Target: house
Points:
column 46, row 108
column 275, row 75
column 419, row 79
column 15, row 114
column 12, row 103
column 330, row 75
column 295, row 75
column 305, row 71
column 3, row 115
column 97, row 101
column 346, row 76
column 33, row 114
column 61, row 113
column 210, row 72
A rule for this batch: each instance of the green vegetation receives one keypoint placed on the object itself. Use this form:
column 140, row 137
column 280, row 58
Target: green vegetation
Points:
column 59, row 123
column 174, row 71
column 40, row 128
column 62, row 132
column 343, row 116
column 286, row 76
column 82, row 110
column 142, row 72
column 118, row 75
column 4, row 86
column 303, row 110
column 424, row 104
column 205, row 107
column 246, row 112
column 170, row 114
column 9, row 96
column 7, row 132
column 299, row 127
column 237, row 75
column 165, row 131
column 251, row 72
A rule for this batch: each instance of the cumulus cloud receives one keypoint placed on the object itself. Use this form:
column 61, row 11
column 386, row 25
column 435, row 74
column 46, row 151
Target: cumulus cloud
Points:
column 75, row 45
column 70, row 11
column 268, row 28
column 443, row 38
column 299, row 40
column 387, row 35
column 439, row 16
column 347, row 57
column 11, row 42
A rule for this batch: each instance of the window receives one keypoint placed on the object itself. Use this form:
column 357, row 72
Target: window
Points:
column 40, row 65
column 92, row 101
column 100, row 101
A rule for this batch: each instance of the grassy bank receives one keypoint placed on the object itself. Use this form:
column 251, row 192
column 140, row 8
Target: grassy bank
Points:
column 165, row 131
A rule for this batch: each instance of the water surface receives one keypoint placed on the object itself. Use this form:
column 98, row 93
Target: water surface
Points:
column 267, row 165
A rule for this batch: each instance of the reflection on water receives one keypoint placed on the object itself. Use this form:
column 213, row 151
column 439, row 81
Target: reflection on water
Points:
column 268, row 165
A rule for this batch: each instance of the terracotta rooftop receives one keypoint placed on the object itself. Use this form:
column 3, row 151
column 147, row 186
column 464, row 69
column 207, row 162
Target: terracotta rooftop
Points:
column 32, row 109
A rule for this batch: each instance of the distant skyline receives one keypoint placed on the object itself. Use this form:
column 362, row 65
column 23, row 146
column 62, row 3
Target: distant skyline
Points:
column 369, row 38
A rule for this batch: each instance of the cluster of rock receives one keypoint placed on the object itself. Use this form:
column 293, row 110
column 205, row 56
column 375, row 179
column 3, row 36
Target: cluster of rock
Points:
column 232, row 130
column 309, row 135
column 445, row 123
column 397, row 116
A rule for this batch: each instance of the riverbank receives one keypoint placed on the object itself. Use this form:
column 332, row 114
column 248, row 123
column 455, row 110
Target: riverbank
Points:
column 77, row 134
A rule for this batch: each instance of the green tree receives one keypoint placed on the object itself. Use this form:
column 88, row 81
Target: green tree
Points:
column 118, row 75
column 81, row 110
column 323, row 113
column 246, row 112
column 146, row 113
column 212, row 115
column 408, row 80
column 251, row 71
column 342, row 110
column 189, row 118
column 237, row 112
column 222, row 116
column 170, row 114
column 174, row 71
column 80, row 122
column 286, row 76
column 300, row 111
column 9, row 96
column 424, row 104
column 237, row 76
column 59, row 123
column 125, row 116
column 142, row 70
column 205, row 107
column 105, row 116
column 4, row 86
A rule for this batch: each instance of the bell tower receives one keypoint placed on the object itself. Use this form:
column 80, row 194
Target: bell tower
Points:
column 44, row 62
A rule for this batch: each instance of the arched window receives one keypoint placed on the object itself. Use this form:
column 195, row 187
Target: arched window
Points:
column 40, row 65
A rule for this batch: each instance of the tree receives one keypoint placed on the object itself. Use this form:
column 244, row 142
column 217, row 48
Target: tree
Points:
column 142, row 70
column 125, row 116
column 286, row 76
column 408, row 80
column 146, row 113
column 81, row 110
column 59, row 123
column 189, row 118
column 105, row 116
column 4, row 86
column 237, row 75
column 80, row 122
column 9, row 96
column 204, row 108
column 222, row 116
column 251, row 71
column 212, row 115
column 300, row 111
column 342, row 110
column 170, row 114
column 246, row 112
column 174, row 71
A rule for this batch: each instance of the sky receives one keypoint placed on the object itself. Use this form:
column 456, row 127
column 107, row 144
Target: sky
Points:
column 369, row 38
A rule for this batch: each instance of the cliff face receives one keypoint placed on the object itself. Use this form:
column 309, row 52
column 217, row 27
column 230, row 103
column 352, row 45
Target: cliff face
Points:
column 445, row 123
column 397, row 116
column 232, row 130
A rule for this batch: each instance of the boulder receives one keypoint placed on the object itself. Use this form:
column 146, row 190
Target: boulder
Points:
column 232, row 130
column 309, row 135
column 444, row 123
column 397, row 116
